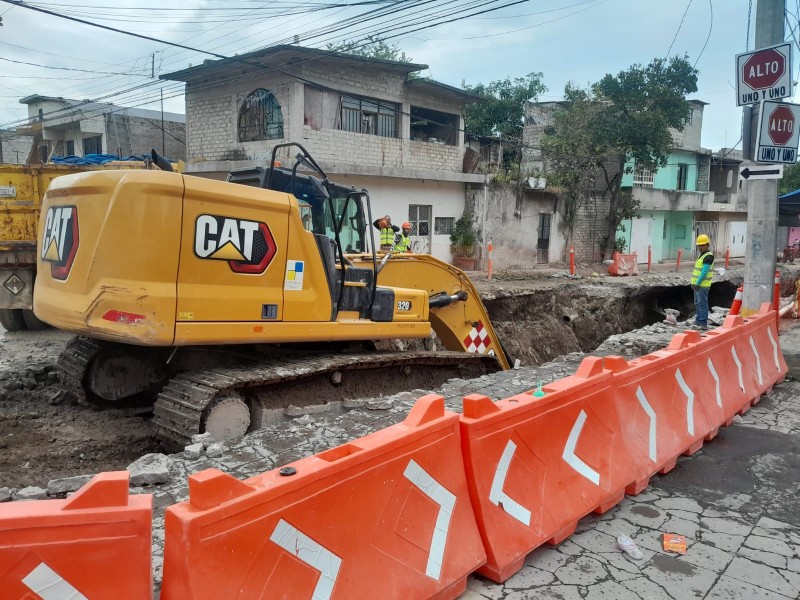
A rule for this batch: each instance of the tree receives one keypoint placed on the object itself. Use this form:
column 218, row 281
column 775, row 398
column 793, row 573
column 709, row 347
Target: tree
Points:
column 791, row 180
column 622, row 120
column 373, row 46
column 503, row 113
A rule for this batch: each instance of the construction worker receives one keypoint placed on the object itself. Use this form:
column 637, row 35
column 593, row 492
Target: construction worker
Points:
column 388, row 232
column 701, row 281
column 402, row 242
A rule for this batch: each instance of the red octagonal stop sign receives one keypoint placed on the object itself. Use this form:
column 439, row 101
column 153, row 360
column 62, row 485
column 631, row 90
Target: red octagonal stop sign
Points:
column 781, row 125
column 764, row 69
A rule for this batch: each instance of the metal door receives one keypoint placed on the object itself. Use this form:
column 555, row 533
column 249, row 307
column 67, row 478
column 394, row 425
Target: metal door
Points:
column 641, row 238
column 419, row 215
column 710, row 229
column 543, row 240
column 735, row 238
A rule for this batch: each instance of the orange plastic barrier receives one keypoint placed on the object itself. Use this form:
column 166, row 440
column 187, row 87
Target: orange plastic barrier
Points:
column 535, row 466
column 386, row 515
column 95, row 544
column 624, row 264
column 760, row 338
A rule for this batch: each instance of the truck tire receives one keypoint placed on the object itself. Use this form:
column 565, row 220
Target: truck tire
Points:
column 12, row 320
column 32, row 322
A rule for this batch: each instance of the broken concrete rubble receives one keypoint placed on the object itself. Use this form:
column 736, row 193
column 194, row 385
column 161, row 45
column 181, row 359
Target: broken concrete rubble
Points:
column 150, row 469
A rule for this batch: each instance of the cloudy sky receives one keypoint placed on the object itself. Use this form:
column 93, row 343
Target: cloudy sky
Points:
column 566, row 40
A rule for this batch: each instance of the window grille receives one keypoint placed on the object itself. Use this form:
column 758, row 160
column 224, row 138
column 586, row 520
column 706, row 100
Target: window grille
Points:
column 372, row 117
column 643, row 177
column 260, row 117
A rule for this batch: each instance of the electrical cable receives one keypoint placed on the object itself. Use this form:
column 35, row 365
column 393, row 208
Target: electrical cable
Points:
column 675, row 37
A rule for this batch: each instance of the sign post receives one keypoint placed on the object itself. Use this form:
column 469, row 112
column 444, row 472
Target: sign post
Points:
column 763, row 76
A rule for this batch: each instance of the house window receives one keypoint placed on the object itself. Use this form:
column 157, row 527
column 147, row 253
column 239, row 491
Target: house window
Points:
column 93, row 145
column 691, row 116
column 44, row 153
column 680, row 232
column 419, row 215
column 683, row 176
column 70, row 148
column 373, row 117
column 433, row 126
column 260, row 117
column 642, row 177
column 444, row 225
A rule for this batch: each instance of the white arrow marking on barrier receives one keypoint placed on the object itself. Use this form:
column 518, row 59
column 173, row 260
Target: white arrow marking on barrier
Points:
column 716, row 378
column 49, row 585
column 689, row 401
column 774, row 349
column 446, row 501
column 498, row 497
column 572, row 459
column 738, row 366
column 652, row 414
column 312, row 553
column 758, row 361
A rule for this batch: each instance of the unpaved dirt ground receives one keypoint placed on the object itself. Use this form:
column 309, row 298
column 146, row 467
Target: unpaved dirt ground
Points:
column 42, row 438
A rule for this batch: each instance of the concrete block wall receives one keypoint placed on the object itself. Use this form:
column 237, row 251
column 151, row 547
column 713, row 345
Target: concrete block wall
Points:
column 145, row 135
column 591, row 228
column 346, row 147
column 212, row 115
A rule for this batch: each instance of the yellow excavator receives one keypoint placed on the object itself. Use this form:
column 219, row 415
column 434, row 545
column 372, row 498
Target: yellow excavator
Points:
column 220, row 303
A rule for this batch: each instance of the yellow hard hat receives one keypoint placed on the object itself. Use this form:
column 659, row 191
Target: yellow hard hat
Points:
column 702, row 239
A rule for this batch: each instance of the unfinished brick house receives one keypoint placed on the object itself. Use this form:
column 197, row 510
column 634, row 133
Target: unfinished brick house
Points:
column 65, row 127
column 363, row 120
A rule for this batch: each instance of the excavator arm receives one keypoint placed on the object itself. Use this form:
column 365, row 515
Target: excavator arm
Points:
column 457, row 314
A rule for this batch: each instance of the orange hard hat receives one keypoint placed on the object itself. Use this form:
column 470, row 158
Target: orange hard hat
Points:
column 407, row 225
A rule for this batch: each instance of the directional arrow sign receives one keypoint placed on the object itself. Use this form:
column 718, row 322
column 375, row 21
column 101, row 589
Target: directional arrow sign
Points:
column 750, row 173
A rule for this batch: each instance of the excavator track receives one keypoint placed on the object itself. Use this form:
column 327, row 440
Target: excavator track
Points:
column 74, row 362
column 180, row 407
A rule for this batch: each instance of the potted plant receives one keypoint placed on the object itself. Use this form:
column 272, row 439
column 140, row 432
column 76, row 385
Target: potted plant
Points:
column 464, row 244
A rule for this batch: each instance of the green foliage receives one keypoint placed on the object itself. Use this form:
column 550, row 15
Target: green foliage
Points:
column 463, row 232
column 620, row 244
column 373, row 46
column 791, row 180
column 628, row 116
column 502, row 115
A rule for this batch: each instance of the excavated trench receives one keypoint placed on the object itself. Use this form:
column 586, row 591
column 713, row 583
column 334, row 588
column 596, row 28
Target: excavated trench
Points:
column 539, row 325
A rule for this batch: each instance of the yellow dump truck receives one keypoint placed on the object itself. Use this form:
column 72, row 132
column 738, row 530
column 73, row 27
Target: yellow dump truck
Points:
column 22, row 188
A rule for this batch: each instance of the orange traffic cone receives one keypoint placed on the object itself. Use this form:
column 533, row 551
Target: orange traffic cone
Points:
column 737, row 301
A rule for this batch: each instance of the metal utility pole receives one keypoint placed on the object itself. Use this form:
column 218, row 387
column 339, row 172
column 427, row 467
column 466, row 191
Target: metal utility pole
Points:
column 762, row 195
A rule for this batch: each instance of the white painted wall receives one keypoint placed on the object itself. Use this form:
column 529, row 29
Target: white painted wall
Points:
column 392, row 196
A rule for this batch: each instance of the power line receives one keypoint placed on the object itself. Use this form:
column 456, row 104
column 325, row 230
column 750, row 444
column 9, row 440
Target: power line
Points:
column 708, row 37
column 675, row 37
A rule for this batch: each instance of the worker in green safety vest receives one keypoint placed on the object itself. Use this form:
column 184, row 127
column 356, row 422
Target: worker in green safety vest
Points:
column 701, row 281
column 402, row 242
column 388, row 232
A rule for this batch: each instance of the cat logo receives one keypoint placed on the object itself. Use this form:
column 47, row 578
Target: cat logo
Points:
column 247, row 246
column 60, row 239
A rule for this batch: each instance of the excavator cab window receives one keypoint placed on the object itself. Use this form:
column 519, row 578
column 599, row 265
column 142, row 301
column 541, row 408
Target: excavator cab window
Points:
column 337, row 215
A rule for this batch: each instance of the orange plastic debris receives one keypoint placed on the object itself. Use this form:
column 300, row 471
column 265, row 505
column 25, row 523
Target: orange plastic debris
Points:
column 672, row 542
